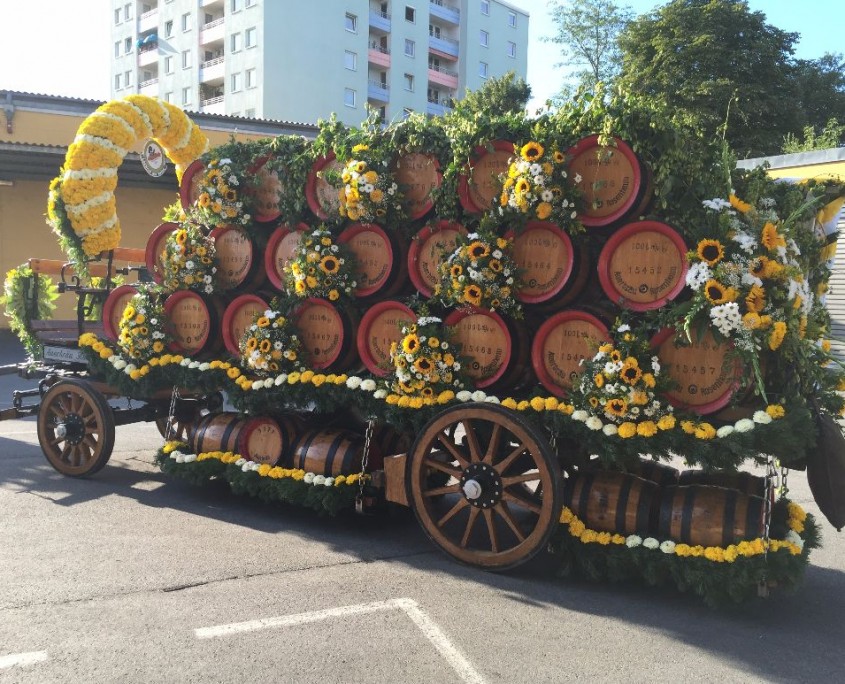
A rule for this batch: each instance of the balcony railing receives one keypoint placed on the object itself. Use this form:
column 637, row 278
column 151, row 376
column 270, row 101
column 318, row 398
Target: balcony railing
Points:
column 212, row 100
column 149, row 14
column 440, row 3
column 212, row 24
column 443, row 70
column 373, row 83
column 212, row 62
column 445, row 12
column 148, row 83
column 379, row 48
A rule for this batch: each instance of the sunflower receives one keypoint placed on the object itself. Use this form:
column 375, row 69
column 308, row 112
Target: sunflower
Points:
column 559, row 157
column 755, row 300
column 710, row 251
column 531, row 151
column 599, row 380
column 616, row 407
column 423, row 364
column 478, row 250
column 263, row 322
column 630, row 372
column 717, row 293
column 231, row 195
column 251, row 344
column 472, row 295
column 739, row 205
column 770, row 237
column 615, row 356
column 181, row 237
column 777, row 335
column 427, row 392
column 522, row 186
column 495, row 265
column 411, row 343
column 204, row 200
column 456, row 270
column 330, row 264
column 264, row 346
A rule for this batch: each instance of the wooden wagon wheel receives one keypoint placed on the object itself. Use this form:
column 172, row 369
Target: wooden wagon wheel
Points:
column 75, row 428
column 502, row 498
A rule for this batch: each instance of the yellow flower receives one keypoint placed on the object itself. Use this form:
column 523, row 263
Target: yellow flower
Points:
column 688, row 426
column 775, row 411
column 559, row 157
column 410, row 343
column 478, row 250
column 710, row 251
column 616, row 407
column 263, row 322
column 705, row 431
column 531, row 151
column 738, row 204
column 770, row 237
column 329, row 264
column 630, row 372
column 717, row 293
column 666, row 422
column 599, row 380
column 522, row 186
column 538, row 403
column 627, row 429
column 647, row 428
column 777, row 335
column 472, row 294
column 544, row 210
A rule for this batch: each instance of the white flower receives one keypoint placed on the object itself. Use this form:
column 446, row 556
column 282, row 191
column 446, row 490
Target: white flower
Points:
column 329, row 482
column 204, row 366
column 633, row 540
column 180, row 458
column 309, row 478
column 724, row 431
column 492, row 400
column 594, row 423
column 578, row 178
column 478, row 395
column 184, row 362
column 546, row 196
column 668, row 546
column 651, row 543
column 368, row 385
column 281, row 379
column 761, row 417
column 795, row 538
column 189, row 265
column 623, row 328
column 380, row 394
column 698, row 274
column 246, row 467
column 744, row 425
column 257, row 384
column 463, row 395
column 610, row 429
column 353, row 382
column 268, row 383
column 456, row 366
column 580, row 415
column 726, row 317
column 189, row 458
column 240, row 462
column 120, row 364
column 717, row 204
column 129, row 368
column 319, row 479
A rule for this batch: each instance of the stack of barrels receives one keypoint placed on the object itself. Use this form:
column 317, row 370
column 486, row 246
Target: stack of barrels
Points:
column 655, row 500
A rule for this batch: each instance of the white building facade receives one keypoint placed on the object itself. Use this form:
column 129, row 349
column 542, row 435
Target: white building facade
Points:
column 299, row 61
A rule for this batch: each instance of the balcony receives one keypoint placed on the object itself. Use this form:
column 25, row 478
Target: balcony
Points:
column 445, row 12
column 214, row 105
column 210, row 3
column 149, row 87
column 378, row 91
column 378, row 54
column 444, row 47
column 212, row 31
column 444, row 77
column 148, row 21
column 438, row 107
column 380, row 21
column 212, row 70
column 148, row 55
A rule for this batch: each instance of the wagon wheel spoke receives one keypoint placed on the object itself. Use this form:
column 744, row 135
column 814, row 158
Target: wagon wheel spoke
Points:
column 462, row 503
column 520, row 501
column 447, row 468
column 82, row 454
column 473, row 516
column 65, row 452
column 58, row 411
column 90, row 442
column 472, row 441
column 503, row 465
column 504, row 511
column 493, row 446
column 437, row 491
column 452, row 448
column 491, row 530
column 525, row 477
column 55, row 441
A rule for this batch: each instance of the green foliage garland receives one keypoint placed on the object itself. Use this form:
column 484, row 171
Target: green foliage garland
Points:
column 28, row 297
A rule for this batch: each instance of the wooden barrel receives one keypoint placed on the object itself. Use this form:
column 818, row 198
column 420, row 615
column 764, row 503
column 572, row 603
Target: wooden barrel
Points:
column 418, row 176
column 327, row 333
column 380, row 326
column 292, row 428
column 239, row 315
column 194, row 322
column 329, row 452
column 479, row 185
column 322, row 197
column 113, row 307
column 268, row 190
column 189, row 186
column 281, row 248
column 654, row 471
column 497, row 350
column 709, row 516
column 745, row 482
column 154, row 252
column 380, row 257
column 255, row 438
column 562, row 342
column 706, row 374
column 615, row 184
column 429, row 248
column 239, row 264
column 643, row 266
column 613, row 502
column 547, row 262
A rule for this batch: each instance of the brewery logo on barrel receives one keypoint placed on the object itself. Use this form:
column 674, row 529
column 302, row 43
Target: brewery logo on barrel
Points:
column 153, row 158
column 264, row 443
column 485, row 342
column 417, row 174
column 234, row 256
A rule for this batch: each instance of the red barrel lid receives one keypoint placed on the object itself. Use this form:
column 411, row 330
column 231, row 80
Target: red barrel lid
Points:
column 418, row 175
column 643, row 265
column 544, row 254
column 154, row 251
column 321, row 196
column 239, row 315
column 190, row 319
column 428, row 249
column 190, row 184
column 485, row 339
column 374, row 255
column 113, row 307
column 321, row 330
column 381, row 325
column 478, row 184
column 280, row 249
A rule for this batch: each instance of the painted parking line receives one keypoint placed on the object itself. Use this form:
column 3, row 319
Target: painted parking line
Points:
column 22, row 659
column 458, row 661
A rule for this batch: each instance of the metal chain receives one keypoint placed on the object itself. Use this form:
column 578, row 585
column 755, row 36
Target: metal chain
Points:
column 771, row 478
column 368, row 437
column 784, row 473
column 171, row 414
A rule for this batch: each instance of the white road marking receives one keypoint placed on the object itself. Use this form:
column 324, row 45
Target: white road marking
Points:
column 462, row 666
column 22, row 659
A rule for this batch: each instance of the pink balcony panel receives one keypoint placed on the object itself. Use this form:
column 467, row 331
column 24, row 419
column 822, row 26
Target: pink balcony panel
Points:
column 443, row 79
column 376, row 56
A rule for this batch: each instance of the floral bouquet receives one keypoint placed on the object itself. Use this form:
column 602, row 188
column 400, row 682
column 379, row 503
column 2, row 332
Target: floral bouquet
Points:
column 619, row 387
column 222, row 195
column 424, row 362
column 271, row 345
column 189, row 260
column 143, row 332
column 538, row 187
column 368, row 192
column 321, row 268
column 480, row 272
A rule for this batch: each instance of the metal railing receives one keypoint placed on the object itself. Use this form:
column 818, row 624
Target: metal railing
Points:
column 442, row 70
column 151, row 13
column 445, row 5
column 149, row 82
column 379, row 48
column 212, row 24
column 211, row 62
column 451, row 41
column 378, row 84
column 212, row 101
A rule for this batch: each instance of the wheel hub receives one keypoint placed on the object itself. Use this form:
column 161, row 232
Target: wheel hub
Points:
column 481, row 485
column 71, row 428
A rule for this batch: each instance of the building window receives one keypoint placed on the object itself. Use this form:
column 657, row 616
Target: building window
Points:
column 186, row 96
column 127, row 45
column 409, row 82
column 127, row 12
column 485, row 38
column 127, row 79
column 186, row 21
column 250, row 37
column 410, row 14
column 350, row 60
column 512, row 19
column 251, row 81
column 117, row 49
column 117, row 81
column 511, row 49
column 485, row 7
column 168, row 28
column 410, row 47
column 482, row 69
column 117, row 16
column 250, row 113
column 186, row 59
column 351, row 23
column 349, row 97
column 168, row 97
column 236, row 5
column 236, row 83
column 235, row 40
column 168, row 65
column 250, row 3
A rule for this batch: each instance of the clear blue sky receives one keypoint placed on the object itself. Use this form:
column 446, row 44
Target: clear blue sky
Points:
column 59, row 47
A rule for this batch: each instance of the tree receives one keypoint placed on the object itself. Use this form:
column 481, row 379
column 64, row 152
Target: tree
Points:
column 720, row 62
column 587, row 31
column 503, row 95
column 832, row 135
column 821, row 89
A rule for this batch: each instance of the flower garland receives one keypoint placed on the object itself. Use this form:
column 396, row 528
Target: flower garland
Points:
column 368, row 192
column 480, row 272
column 537, row 187
column 27, row 297
column 81, row 205
column 143, row 330
column 189, row 260
column 320, row 267
column 271, row 345
column 221, row 199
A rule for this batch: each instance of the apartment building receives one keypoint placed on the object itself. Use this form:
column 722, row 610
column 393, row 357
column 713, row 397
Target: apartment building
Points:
column 299, row 61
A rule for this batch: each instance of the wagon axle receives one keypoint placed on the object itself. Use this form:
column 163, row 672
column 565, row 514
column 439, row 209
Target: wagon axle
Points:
column 481, row 485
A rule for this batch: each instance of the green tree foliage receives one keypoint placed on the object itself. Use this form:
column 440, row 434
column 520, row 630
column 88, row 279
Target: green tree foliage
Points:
column 820, row 85
column 587, row 32
column 499, row 96
column 719, row 61
column 832, row 135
